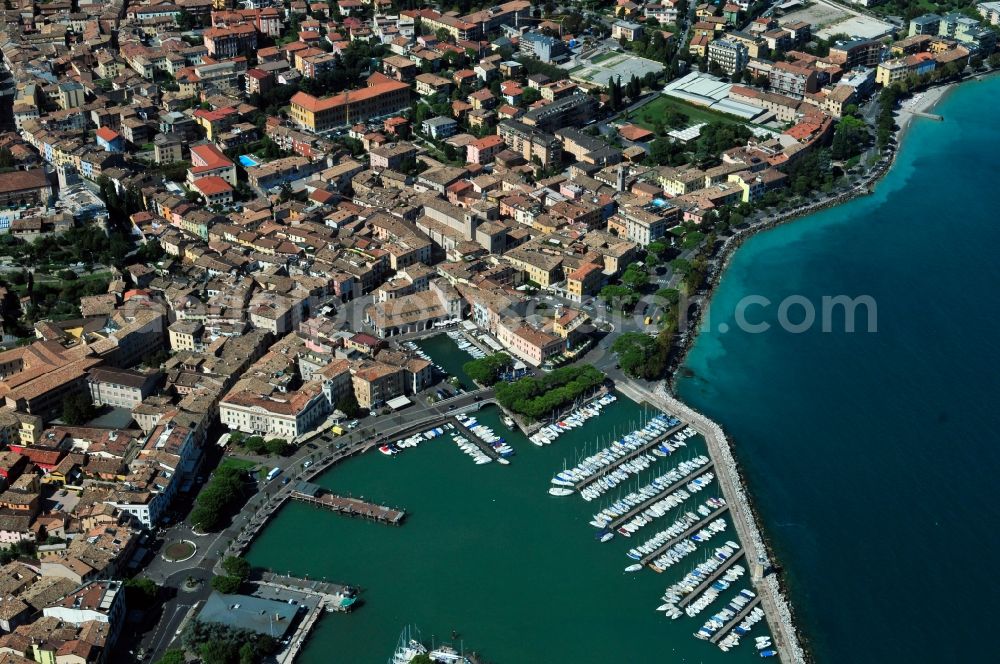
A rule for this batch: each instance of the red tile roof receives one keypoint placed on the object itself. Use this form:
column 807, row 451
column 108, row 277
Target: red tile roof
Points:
column 212, row 185
column 107, row 134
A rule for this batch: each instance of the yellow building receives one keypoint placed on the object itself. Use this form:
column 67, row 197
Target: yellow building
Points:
column 380, row 99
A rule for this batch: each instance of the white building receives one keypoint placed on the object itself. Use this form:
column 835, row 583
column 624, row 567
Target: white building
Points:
column 278, row 415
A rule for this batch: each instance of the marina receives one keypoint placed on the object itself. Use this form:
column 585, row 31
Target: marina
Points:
column 725, row 629
column 712, row 578
column 642, row 507
column 438, row 541
column 660, row 551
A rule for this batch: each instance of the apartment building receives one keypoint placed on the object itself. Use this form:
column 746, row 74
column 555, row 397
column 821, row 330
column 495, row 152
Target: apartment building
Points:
column 530, row 142
column 536, row 347
column 379, row 99
column 646, row 223
column 856, row 53
column 228, row 42
column 120, row 388
column 543, row 47
column 730, row 56
column 208, row 160
column 792, row 80
column 391, row 155
column 573, row 110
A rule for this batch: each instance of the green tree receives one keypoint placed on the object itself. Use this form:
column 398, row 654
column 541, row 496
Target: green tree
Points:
column 620, row 296
column 140, row 591
column 634, row 350
column 277, row 447
column 255, row 445
column 669, row 295
column 173, row 656
column 635, row 278
column 348, row 404
column 227, row 585
column 78, row 409
column 222, row 493
column 486, row 371
column 237, row 566
column 849, row 138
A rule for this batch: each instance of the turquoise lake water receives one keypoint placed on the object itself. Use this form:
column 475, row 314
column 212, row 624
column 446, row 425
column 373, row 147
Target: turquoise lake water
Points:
column 873, row 457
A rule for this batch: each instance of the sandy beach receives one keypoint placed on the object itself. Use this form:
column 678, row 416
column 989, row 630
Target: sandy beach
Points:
column 922, row 102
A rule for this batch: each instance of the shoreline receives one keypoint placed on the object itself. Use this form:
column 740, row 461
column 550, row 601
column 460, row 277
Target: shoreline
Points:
column 795, row 640
column 924, row 102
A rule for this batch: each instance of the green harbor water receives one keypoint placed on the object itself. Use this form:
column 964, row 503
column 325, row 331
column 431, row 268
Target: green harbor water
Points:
column 449, row 356
column 485, row 551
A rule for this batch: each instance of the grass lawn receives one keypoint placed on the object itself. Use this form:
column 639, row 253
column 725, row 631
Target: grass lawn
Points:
column 648, row 115
column 239, row 464
column 178, row 551
column 604, row 56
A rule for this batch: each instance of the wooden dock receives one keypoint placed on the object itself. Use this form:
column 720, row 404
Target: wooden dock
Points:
column 476, row 440
column 735, row 621
column 624, row 518
column 687, row 533
column 690, row 597
column 352, row 507
column 642, row 449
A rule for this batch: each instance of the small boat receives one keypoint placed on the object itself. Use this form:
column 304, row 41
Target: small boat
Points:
column 558, row 491
column 502, row 461
column 633, row 568
column 385, row 449
column 607, row 537
column 768, row 653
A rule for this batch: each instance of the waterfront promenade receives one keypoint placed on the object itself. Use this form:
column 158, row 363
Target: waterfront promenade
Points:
column 772, row 599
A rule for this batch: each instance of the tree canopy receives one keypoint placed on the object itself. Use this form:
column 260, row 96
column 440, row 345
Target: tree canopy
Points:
column 222, row 493
column 537, row 397
column 487, row 370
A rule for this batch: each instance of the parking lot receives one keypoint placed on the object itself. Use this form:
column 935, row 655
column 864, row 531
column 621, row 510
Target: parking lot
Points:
column 619, row 65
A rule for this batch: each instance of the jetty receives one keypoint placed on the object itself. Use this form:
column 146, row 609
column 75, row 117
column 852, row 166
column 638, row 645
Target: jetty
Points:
column 312, row 494
column 328, row 597
column 641, row 507
column 735, row 621
column 639, row 451
column 924, row 114
column 476, row 440
column 700, row 588
column 687, row 533
column 769, row 592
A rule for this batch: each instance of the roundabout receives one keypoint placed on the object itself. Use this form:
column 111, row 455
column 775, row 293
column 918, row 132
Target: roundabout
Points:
column 179, row 551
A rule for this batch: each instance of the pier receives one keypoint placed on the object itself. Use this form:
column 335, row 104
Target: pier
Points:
column 660, row 496
column 328, row 597
column 687, row 533
column 693, row 595
column 735, row 621
column 772, row 599
column 923, row 114
column 642, row 449
column 305, row 493
column 473, row 438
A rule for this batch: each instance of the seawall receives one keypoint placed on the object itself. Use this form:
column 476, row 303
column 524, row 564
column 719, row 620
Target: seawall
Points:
column 776, row 607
